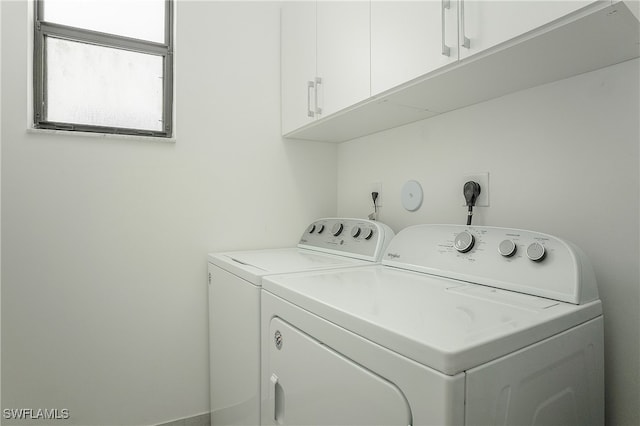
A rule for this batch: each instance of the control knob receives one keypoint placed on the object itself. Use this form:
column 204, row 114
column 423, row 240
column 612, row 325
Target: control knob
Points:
column 337, row 229
column 507, row 248
column 311, row 228
column 355, row 231
column 536, row 252
column 367, row 233
column 464, row 241
column 320, row 228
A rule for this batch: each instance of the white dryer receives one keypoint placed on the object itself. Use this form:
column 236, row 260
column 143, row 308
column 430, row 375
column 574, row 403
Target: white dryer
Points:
column 235, row 280
column 458, row 326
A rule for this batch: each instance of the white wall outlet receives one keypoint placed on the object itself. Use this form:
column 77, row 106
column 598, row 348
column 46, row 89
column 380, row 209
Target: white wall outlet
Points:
column 375, row 187
column 483, row 179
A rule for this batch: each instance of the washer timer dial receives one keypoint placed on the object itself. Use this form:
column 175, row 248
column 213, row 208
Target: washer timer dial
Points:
column 337, row 229
column 464, row 241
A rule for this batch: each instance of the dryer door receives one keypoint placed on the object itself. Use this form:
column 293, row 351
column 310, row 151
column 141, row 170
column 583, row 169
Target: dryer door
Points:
column 311, row 384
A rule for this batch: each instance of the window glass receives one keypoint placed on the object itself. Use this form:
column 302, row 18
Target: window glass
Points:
column 101, row 86
column 141, row 19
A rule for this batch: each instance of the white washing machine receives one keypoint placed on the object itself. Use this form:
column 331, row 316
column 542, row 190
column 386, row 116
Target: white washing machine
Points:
column 458, row 326
column 235, row 280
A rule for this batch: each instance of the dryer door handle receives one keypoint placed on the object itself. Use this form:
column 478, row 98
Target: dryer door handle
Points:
column 278, row 400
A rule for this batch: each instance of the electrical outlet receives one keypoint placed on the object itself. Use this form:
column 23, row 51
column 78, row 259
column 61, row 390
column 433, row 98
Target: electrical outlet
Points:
column 483, row 179
column 375, row 187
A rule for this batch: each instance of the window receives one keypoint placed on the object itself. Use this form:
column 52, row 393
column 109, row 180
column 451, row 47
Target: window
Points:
column 104, row 66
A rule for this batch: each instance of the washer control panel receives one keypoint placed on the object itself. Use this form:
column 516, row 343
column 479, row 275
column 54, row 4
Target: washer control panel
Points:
column 512, row 259
column 360, row 238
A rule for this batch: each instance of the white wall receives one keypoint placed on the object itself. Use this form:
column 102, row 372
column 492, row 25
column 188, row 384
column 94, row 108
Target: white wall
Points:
column 104, row 241
column 563, row 159
column 0, row 213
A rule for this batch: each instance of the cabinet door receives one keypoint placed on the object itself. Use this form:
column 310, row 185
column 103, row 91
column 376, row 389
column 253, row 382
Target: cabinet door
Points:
column 486, row 23
column 343, row 55
column 409, row 39
column 298, row 63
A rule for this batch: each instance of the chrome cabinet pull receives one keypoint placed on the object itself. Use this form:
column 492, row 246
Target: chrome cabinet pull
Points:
column 466, row 42
column 446, row 50
column 310, row 85
column 317, row 108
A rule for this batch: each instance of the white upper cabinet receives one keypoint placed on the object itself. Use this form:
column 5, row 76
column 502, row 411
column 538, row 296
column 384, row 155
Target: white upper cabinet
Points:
column 325, row 59
column 343, row 54
column 410, row 39
column 351, row 68
column 297, row 64
column 487, row 23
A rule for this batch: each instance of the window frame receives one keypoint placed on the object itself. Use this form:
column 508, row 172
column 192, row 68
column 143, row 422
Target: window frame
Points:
column 44, row 29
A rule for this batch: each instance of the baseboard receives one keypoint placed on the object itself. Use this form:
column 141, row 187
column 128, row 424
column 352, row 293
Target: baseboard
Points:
column 199, row 420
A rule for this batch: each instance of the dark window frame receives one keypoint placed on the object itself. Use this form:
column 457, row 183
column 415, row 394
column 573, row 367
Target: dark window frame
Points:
column 43, row 29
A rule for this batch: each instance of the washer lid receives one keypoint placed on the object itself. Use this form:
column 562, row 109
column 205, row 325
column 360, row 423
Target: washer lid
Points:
column 254, row 264
column 446, row 324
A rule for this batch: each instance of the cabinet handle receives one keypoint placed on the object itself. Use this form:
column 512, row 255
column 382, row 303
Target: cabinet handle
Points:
column 466, row 42
column 310, row 85
column 317, row 108
column 446, row 50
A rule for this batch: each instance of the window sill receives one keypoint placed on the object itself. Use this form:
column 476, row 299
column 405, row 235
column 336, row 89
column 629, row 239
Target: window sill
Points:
column 111, row 136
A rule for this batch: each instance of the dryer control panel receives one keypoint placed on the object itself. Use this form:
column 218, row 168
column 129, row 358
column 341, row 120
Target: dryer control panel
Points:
column 512, row 259
column 359, row 238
